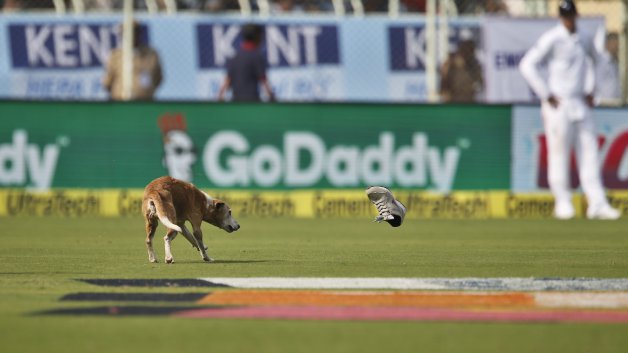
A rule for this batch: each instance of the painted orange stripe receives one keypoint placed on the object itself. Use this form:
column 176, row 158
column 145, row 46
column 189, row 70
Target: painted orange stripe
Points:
column 398, row 299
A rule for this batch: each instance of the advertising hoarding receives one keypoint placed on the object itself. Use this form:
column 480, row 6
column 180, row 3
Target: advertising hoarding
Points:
column 252, row 146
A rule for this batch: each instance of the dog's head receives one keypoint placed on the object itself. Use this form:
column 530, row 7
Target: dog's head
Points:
column 218, row 213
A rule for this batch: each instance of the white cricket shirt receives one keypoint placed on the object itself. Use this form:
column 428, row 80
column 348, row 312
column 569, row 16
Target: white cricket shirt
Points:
column 561, row 64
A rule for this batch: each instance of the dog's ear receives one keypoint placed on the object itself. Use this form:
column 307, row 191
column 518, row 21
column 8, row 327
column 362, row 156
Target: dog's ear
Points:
column 218, row 204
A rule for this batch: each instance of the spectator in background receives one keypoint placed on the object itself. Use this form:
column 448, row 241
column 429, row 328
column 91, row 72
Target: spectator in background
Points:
column 481, row 7
column 566, row 92
column 158, row 5
column 608, row 87
column 147, row 73
column 246, row 71
column 18, row 5
column 414, row 5
column 11, row 5
column 312, row 6
column 100, row 5
column 375, row 5
column 461, row 74
column 495, row 7
column 285, row 7
column 221, row 5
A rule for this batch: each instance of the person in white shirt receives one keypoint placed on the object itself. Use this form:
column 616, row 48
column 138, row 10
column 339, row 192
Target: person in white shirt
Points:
column 569, row 57
column 607, row 86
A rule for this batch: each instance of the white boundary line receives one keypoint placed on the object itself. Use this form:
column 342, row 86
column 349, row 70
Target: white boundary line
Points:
column 582, row 300
column 472, row 284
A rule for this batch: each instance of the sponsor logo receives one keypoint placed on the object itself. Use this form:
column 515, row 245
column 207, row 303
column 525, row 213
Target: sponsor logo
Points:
column 619, row 201
column 58, row 203
column 341, row 205
column 304, row 160
column 461, row 206
column 614, row 162
column 256, row 205
column 407, row 49
column 179, row 150
column 284, row 45
column 21, row 161
column 526, row 206
column 62, row 46
column 507, row 60
column 129, row 203
column 615, row 167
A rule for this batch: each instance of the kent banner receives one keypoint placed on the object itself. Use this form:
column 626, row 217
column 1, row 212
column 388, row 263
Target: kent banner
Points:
column 313, row 58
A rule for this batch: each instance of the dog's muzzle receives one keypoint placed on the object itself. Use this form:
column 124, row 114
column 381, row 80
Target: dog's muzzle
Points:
column 231, row 228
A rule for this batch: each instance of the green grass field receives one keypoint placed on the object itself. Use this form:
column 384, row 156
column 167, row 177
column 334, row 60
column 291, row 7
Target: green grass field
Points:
column 41, row 258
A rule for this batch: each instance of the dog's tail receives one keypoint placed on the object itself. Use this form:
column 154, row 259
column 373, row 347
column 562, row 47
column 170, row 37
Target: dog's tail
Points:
column 156, row 208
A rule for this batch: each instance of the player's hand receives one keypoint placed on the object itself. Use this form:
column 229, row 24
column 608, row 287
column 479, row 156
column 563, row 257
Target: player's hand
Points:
column 590, row 100
column 553, row 101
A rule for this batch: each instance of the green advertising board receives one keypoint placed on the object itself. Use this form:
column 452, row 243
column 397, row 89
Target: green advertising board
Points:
column 255, row 146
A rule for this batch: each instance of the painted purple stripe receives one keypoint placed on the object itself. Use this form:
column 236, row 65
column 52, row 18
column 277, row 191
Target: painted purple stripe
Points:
column 404, row 314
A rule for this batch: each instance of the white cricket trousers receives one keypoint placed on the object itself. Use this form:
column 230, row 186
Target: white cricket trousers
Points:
column 561, row 134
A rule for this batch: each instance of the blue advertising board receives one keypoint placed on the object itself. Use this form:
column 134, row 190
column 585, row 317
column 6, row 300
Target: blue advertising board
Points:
column 309, row 58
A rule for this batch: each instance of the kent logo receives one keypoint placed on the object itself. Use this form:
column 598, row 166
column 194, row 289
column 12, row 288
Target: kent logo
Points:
column 285, row 45
column 62, row 46
column 407, row 49
column 304, row 160
column 21, row 161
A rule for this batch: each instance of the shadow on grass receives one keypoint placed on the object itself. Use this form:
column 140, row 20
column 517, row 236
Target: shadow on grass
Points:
column 242, row 261
column 45, row 273
column 199, row 261
column 216, row 262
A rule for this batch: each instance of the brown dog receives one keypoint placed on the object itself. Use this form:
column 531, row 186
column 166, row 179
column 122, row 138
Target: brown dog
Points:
column 173, row 202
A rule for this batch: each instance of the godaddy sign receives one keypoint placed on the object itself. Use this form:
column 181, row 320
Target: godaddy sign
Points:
column 383, row 163
column 27, row 164
column 254, row 147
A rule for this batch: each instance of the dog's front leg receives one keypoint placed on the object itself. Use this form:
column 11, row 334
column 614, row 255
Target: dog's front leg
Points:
column 167, row 242
column 201, row 247
column 189, row 237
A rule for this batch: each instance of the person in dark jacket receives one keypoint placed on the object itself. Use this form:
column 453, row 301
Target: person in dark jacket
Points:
column 246, row 71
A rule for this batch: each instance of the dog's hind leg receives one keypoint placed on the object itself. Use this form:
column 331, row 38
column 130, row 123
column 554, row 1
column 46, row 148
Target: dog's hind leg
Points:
column 167, row 243
column 151, row 224
column 166, row 212
column 151, row 227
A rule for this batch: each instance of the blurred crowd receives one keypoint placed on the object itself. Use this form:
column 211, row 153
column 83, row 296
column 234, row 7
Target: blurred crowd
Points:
column 276, row 6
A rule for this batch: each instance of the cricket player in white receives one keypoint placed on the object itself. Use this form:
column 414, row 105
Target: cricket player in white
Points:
column 567, row 97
